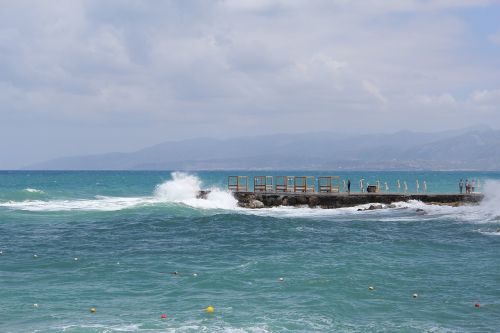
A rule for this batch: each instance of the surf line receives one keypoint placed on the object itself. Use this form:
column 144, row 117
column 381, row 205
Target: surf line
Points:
column 325, row 192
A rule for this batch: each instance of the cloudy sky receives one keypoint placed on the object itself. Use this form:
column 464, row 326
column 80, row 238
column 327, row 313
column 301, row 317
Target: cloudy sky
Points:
column 80, row 77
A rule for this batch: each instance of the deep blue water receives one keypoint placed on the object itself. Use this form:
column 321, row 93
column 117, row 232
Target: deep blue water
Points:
column 130, row 230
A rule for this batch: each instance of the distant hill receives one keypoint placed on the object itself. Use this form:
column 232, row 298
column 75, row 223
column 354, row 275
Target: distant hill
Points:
column 467, row 149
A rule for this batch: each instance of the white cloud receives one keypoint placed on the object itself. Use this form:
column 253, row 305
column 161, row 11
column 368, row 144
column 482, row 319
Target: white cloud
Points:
column 495, row 38
column 445, row 99
column 374, row 91
column 193, row 67
column 485, row 97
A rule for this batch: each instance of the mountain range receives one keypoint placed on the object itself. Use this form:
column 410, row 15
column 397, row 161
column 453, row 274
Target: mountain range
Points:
column 474, row 148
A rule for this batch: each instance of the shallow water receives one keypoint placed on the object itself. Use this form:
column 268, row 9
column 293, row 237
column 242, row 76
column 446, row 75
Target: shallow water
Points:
column 131, row 230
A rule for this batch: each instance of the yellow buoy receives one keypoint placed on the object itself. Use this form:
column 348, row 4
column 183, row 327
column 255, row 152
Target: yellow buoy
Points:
column 92, row 310
column 210, row 309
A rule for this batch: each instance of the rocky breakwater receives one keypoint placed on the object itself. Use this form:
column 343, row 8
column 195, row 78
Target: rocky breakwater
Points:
column 339, row 200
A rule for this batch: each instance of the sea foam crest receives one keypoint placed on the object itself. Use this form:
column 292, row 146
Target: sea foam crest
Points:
column 185, row 188
column 32, row 190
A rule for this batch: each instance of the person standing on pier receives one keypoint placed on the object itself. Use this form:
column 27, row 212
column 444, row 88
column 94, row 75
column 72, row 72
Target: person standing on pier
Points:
column 349, row 186
column 361, row 188
column 461, row 185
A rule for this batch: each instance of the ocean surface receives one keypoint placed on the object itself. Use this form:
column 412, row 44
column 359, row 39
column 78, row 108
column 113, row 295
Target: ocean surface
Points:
column 72, row 241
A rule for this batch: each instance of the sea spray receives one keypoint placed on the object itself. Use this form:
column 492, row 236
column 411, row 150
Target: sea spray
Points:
column 180, row 188
column 184, row 188
column 490, row 205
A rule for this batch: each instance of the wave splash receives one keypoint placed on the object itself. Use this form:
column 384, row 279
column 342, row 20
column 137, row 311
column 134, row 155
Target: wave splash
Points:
column 184, row 188
column 490, row 204
column 181, row 189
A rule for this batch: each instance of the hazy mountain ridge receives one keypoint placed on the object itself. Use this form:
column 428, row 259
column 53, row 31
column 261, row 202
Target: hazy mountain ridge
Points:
column 472, row 148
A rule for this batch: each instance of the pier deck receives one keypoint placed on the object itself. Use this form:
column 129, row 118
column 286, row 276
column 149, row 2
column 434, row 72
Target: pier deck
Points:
column 339, row 200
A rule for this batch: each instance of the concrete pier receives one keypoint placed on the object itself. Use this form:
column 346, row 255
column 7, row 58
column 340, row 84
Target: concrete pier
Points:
column 338, row 200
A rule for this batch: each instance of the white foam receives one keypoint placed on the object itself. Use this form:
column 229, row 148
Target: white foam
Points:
column 490, row 206
column 33, row 190
column 98, row 204
column 182, row 189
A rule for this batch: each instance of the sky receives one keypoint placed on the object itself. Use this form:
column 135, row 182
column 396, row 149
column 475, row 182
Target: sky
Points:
column 83, row 77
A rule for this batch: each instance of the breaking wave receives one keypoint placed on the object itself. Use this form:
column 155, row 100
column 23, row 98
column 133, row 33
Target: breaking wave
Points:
column 184, row 189
column 181, row 189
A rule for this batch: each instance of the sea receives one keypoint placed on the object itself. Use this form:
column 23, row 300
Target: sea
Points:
column 137, row 251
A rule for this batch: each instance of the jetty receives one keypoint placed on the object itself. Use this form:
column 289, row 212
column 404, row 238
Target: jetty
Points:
column 326, row 192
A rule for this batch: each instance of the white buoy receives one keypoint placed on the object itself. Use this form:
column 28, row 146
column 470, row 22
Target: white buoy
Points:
column 1, row 253
column 281, row 279
column 35, row 305
column 415, row 295
column 370, row 288
column 195, row 275
column 35, row 256
column 75, row 259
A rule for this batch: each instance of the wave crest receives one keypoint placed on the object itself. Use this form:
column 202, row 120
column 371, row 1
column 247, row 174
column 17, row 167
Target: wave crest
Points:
column 181, row 189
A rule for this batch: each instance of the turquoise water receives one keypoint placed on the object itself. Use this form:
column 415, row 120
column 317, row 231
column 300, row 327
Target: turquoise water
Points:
column 131, row 230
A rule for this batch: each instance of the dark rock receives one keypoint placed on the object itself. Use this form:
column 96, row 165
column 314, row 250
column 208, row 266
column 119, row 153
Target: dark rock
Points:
column 313, row 201
column 255, row 204
column 373, row 207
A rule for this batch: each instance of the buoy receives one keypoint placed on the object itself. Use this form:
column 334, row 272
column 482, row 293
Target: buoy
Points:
column 175, row 273
column 117, row 262
column 415, row 295
column 210, row 309
column 281, row 279
column 163, row 316
column 75, row 259
column 477, row 305
column 195, row 275
column 35, row 256
column 35, row 305
column 1, row 253
column 92, row 310
column 371, row 288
